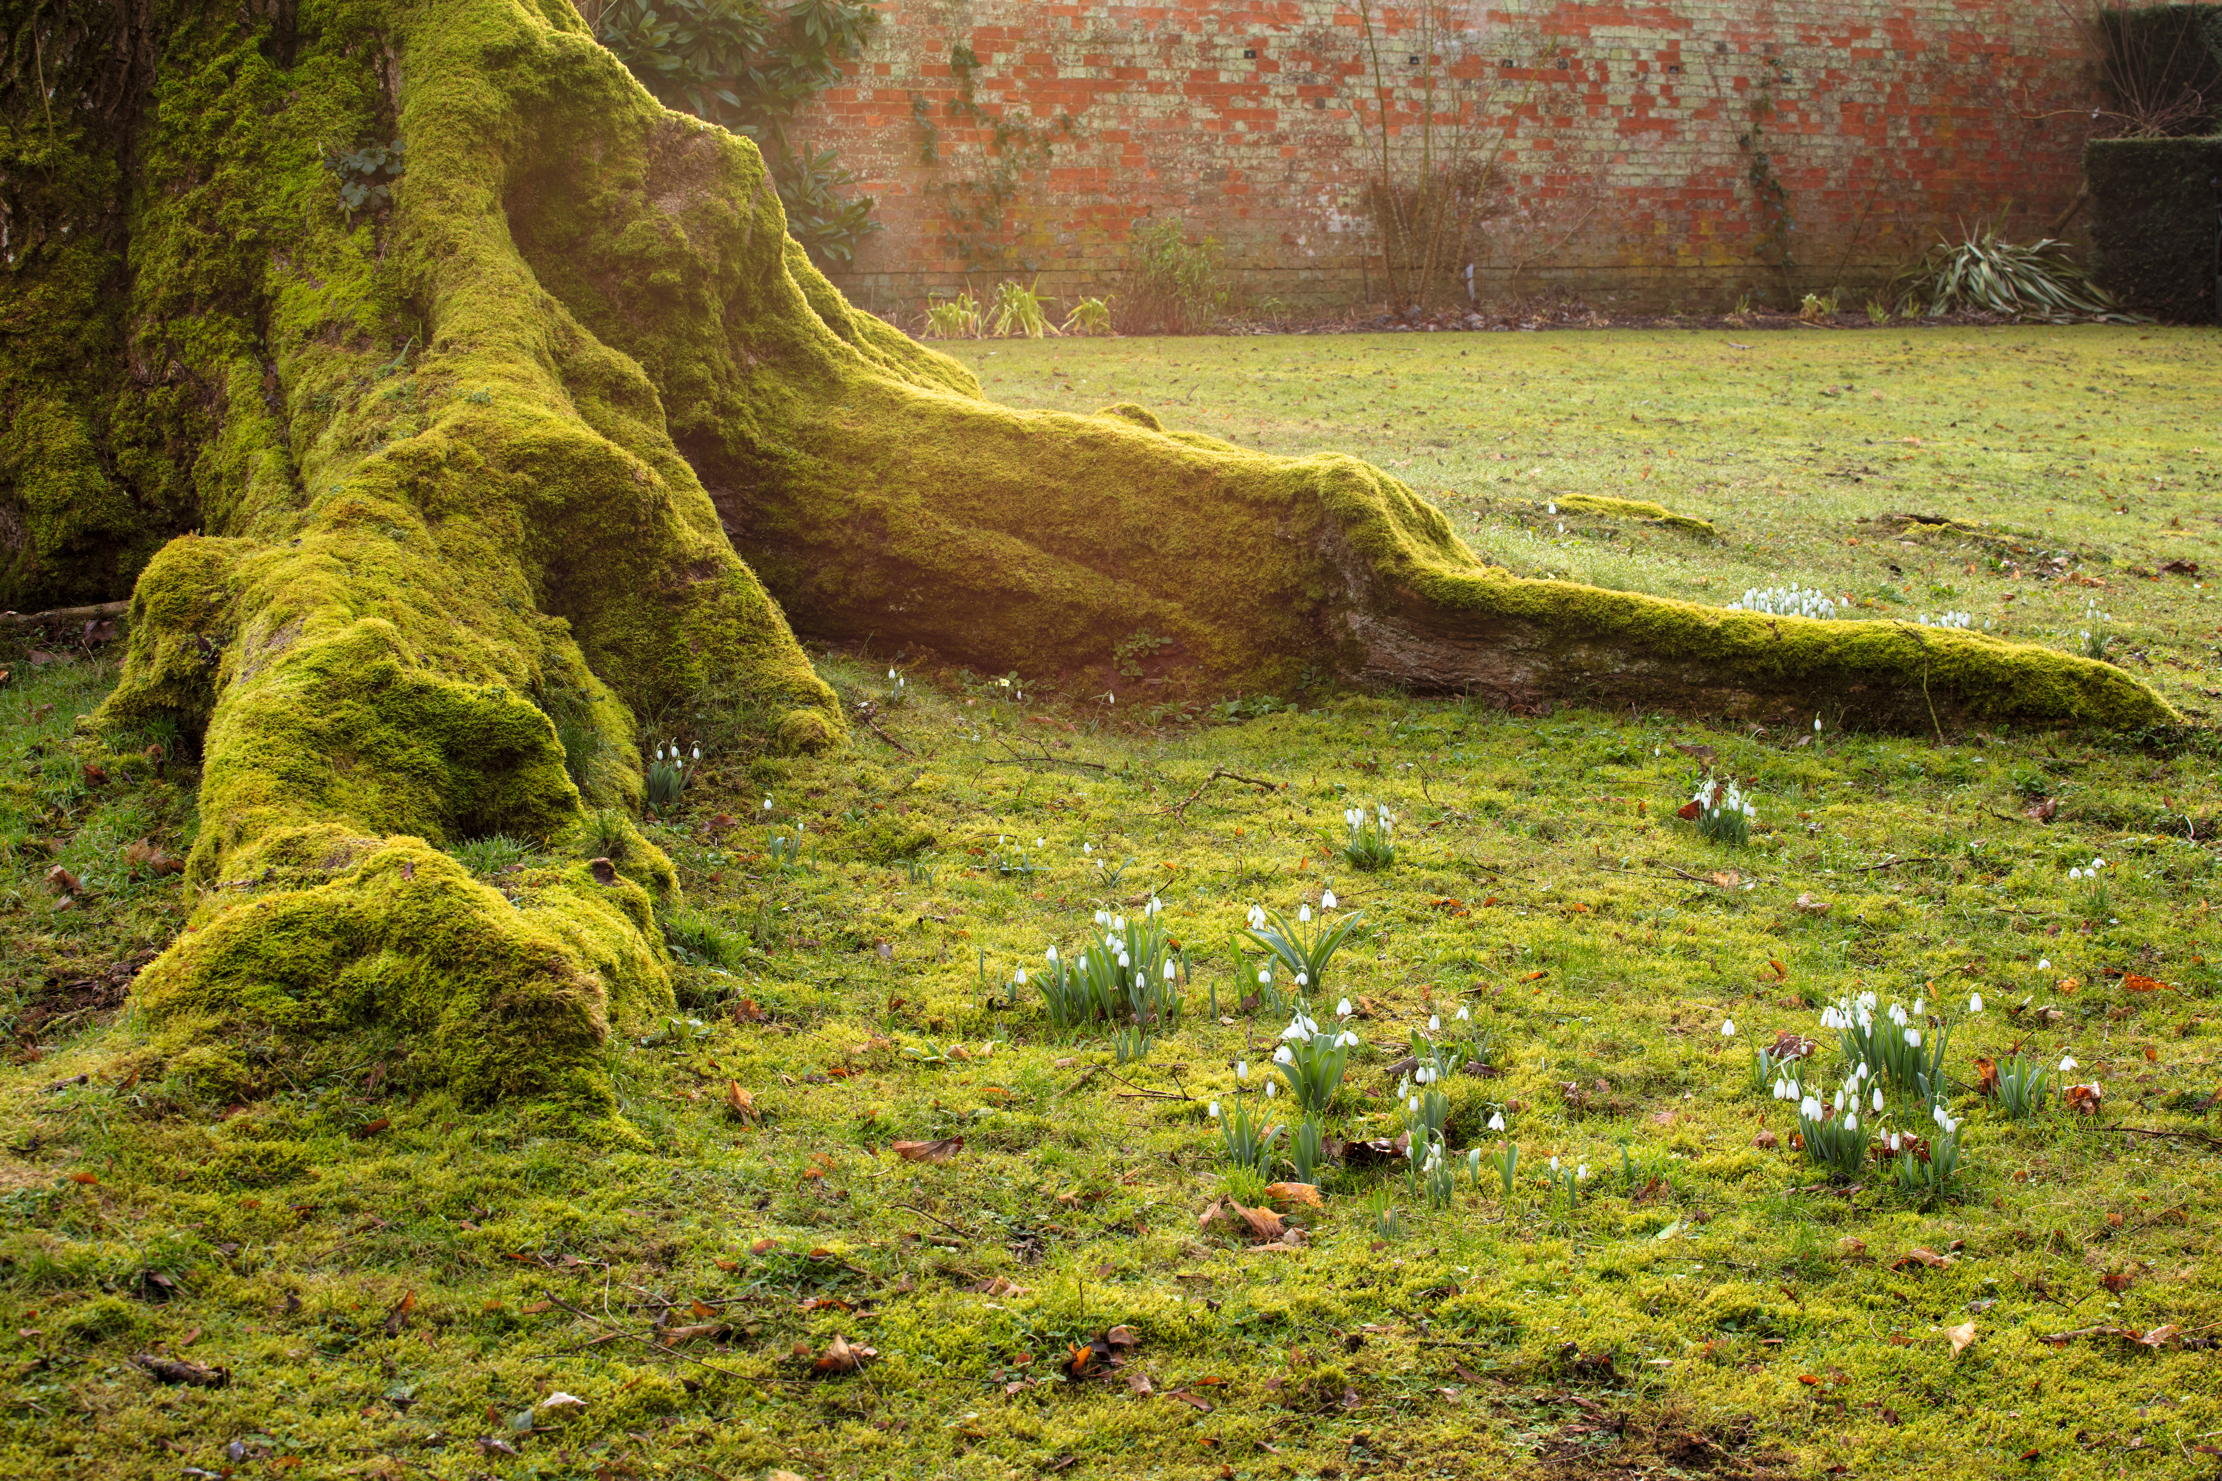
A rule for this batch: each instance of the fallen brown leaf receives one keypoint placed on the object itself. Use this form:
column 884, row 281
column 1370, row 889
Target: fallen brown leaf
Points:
column 1960, row 1336
column 1305, row 1195
column 1921, row 1256
column 1806, row 903
column 941, row 1149
column 739, row 1102
column 182, row 1370
column 843, row 1356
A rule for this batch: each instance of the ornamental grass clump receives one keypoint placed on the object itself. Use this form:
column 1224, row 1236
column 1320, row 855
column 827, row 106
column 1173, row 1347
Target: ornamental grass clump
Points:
column 1831, row 1132
column 1128, row 975
column 1429, row 1173
column 1722, row 811
column 1789, row 601
column 1312, row 1060
column 1303, row 948
column 666, row 777
column 2098, row 896
column 1245, row 1133
column 1897, row 1043
column 2023, row 1085
column 1369, row 846
column 1467, row 1046
column 1924, row 1167
column 1307, row 1149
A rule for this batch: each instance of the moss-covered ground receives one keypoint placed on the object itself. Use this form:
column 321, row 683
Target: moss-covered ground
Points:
column 393, row 1286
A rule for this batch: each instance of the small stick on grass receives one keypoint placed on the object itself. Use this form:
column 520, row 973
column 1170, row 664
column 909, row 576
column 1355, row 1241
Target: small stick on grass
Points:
column 1263, row 784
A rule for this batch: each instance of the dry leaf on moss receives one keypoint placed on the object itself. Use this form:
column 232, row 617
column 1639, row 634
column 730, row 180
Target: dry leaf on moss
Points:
column 1305, row 1195
column 939, row 1150
column 843, row 1356
column 1960, row 1336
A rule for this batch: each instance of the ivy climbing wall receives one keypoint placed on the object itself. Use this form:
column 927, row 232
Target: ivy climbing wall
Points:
column 1676, row 154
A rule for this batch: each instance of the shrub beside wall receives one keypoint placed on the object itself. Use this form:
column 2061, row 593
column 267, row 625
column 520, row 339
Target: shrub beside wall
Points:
column 2157, row 224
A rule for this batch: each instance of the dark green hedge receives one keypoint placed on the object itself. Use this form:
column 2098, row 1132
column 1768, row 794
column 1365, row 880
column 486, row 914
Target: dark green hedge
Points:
column 2156, row 208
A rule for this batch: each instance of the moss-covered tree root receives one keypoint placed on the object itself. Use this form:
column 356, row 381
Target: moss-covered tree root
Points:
column 454, row 347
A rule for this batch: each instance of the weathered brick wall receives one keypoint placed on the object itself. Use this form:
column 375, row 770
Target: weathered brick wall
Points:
column 1677, row 153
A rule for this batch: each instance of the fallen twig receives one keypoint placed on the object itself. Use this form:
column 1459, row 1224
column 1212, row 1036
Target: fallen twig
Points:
column 944, row 1223
column 1894, row 861
column 619, row 1332
column 93, row 613
column 1217, row 772
column 1021, row 758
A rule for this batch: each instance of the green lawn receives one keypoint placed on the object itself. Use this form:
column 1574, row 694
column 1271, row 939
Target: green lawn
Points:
column 398, row 1286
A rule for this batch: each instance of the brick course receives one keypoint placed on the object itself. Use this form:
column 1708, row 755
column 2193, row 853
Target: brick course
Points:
column 1655, row 153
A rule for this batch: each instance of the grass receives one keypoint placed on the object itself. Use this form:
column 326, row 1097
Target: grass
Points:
column 402, row 1288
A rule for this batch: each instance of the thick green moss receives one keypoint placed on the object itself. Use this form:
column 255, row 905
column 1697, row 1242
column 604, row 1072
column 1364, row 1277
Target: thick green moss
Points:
column 461, row 463
column 1637, row 509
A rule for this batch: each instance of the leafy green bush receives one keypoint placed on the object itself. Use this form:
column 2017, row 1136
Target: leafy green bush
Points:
column 1983, row 274
column 1173, row 285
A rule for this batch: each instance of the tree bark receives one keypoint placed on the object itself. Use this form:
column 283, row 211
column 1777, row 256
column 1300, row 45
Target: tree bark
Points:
column 461, row 475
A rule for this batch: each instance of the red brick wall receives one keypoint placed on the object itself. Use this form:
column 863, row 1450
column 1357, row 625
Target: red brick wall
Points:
column 1675, row 153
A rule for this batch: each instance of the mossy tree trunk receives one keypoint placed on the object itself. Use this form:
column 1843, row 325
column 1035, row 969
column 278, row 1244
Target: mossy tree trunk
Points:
column 443, row 487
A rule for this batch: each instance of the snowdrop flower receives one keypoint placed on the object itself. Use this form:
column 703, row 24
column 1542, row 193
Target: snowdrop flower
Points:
column 2097, row 864
column 1087, row 848
column 1257, row 917
column 1051, row 953
column 1412, row 1103
column 1283, row 1056
column 1975, row 1002
column 1342, row 1009
column 1215, row 1110
column 1304, row 914
column 1242, row 1069
column 1810, row 1109
column 891, row 673
column 1168, row 971
column 2067, row 1065
column 1554, row 1164
column 1265, row 976
column 1327, row 900
column 1728, row 1028
column 1434, row 1023
column 1851, row 1121
column 2044, row 964
column 1272, row 1088
column 1348, row 1040
column 1039, row 842
column 1463, row 1014
column 697, row 753
column 1496, row 1123
column 1022, row 977
column 659, row 753
column 1816, row 724
column 1920, row 1005
column 1303, row 979
column 1581, row 1172
column 1878, row 1101
column 1913, row 1038
column 2075, row 873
